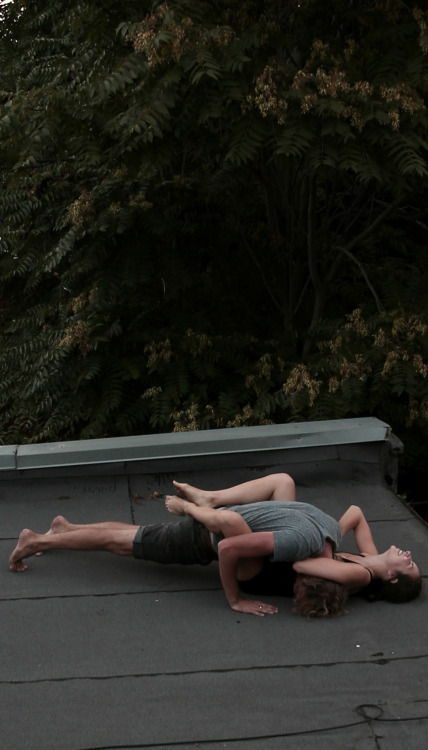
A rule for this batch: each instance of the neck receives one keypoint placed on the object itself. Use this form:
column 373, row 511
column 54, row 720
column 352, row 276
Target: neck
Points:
column 376, row 564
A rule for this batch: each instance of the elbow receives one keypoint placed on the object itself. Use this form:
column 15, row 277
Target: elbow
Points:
column 225, row 550
column 354, row 514
column 222, row 545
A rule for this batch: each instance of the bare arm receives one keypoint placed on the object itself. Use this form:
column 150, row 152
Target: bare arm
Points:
column 354, row 520
column 354, row 577
column 241, row 555
column 230, row 551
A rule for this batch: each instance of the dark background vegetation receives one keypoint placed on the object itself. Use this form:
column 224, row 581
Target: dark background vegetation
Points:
column 213, row 214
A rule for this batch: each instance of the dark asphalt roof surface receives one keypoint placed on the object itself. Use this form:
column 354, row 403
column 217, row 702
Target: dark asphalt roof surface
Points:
column 99, row 651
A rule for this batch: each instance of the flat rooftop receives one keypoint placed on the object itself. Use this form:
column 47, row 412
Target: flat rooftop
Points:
column 99, row 651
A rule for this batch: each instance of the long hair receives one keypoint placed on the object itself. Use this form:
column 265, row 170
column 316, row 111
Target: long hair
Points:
column 404, row 590
column 319, row 597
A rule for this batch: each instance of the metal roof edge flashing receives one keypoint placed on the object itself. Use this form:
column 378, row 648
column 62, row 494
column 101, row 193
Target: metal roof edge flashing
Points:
column 168, row 446
column 8, row 457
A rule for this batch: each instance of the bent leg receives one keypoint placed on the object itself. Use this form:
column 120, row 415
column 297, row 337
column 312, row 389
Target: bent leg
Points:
column 224, row 522
column 272, row 487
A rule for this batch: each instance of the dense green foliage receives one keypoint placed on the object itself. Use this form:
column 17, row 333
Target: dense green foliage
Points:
column 202, row 206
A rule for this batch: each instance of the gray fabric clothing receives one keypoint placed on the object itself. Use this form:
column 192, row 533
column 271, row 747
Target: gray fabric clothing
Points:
column 185, row 542
column 299, row 530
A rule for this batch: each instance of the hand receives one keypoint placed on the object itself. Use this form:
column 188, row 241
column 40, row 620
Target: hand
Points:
column 251, row 607
column 18, row 566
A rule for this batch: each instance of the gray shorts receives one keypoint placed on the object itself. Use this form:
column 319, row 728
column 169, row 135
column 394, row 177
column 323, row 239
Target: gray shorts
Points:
column 185, row 542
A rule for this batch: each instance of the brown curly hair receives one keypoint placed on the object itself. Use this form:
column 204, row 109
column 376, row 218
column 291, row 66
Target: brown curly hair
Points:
column 319, row 597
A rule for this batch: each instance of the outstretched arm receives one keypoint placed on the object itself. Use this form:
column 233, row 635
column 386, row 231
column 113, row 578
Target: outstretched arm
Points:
column 354, row 577
column 354, row 520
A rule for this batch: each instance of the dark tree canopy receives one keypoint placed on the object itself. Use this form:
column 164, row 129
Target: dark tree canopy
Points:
column 211, row 214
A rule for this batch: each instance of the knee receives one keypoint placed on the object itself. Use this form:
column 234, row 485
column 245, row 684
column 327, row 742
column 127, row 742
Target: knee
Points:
column 287, row 479
column 285, row 487
column 231, row 524
column 223, row 521
column 121, row 547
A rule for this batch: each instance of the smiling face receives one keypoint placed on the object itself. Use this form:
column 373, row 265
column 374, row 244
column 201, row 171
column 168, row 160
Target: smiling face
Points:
column 400, row 561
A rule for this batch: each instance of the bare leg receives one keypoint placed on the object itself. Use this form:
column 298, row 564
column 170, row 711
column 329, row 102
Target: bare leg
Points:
column 225, row 522
column 117, row 541
column 60, row 525
column 271, row 487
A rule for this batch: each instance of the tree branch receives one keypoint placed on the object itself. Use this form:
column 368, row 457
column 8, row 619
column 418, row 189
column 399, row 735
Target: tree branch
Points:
column 346, row 250
column 380, row 307
column 368, row 230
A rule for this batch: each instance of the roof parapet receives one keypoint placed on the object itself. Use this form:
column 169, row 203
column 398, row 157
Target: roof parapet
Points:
column 179, row 445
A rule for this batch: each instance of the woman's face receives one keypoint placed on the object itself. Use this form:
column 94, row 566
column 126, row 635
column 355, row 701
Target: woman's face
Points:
column 400, row 561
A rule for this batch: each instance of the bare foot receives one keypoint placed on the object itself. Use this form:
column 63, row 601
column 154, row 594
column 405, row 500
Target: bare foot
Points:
column 27, row 546
column 176, row 505
column 203, row 498
column 58, row 526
